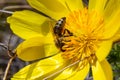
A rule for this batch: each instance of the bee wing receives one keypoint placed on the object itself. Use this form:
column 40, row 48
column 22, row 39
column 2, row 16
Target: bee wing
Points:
column 52, row 25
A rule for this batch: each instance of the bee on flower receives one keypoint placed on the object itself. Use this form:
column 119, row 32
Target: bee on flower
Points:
column 82, row 35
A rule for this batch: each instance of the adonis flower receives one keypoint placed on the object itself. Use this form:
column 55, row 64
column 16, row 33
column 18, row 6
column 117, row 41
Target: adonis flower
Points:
column 84, row 40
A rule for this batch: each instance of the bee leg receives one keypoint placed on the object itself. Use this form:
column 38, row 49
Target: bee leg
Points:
column 59, row 44
column 67, row 33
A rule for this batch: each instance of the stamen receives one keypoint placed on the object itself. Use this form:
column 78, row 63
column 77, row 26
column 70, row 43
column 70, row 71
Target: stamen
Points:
column 87, row 30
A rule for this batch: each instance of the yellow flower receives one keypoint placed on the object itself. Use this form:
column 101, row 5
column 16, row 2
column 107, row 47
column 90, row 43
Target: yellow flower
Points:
column 94, row 29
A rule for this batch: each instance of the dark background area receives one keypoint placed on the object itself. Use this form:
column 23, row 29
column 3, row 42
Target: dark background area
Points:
column 8, row 39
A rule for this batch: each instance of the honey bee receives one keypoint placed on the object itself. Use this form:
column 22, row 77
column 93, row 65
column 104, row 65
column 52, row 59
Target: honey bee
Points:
column 60, row 32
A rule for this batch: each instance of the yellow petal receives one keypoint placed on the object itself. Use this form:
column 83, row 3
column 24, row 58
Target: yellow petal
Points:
column 111, row 8
column 36, row 48
column 116, row 37
column 97, row 5
column 91, row 4
column 27, row 24
column 80, row 75
column 104, row 50
column 66, row 74
column 111, row 15
column 52, row 8
column 102, row 71
column 72, row 73
column 74, row 4
column 40, row 69
column 112, row 25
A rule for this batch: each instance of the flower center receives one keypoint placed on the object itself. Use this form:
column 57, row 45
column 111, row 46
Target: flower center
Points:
column 87, row 29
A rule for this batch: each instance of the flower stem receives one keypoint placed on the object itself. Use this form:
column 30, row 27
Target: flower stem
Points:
column 4, row 11
column 8, row 67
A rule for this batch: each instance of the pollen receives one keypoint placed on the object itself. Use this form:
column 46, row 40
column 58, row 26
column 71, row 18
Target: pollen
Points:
column 87, row 28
